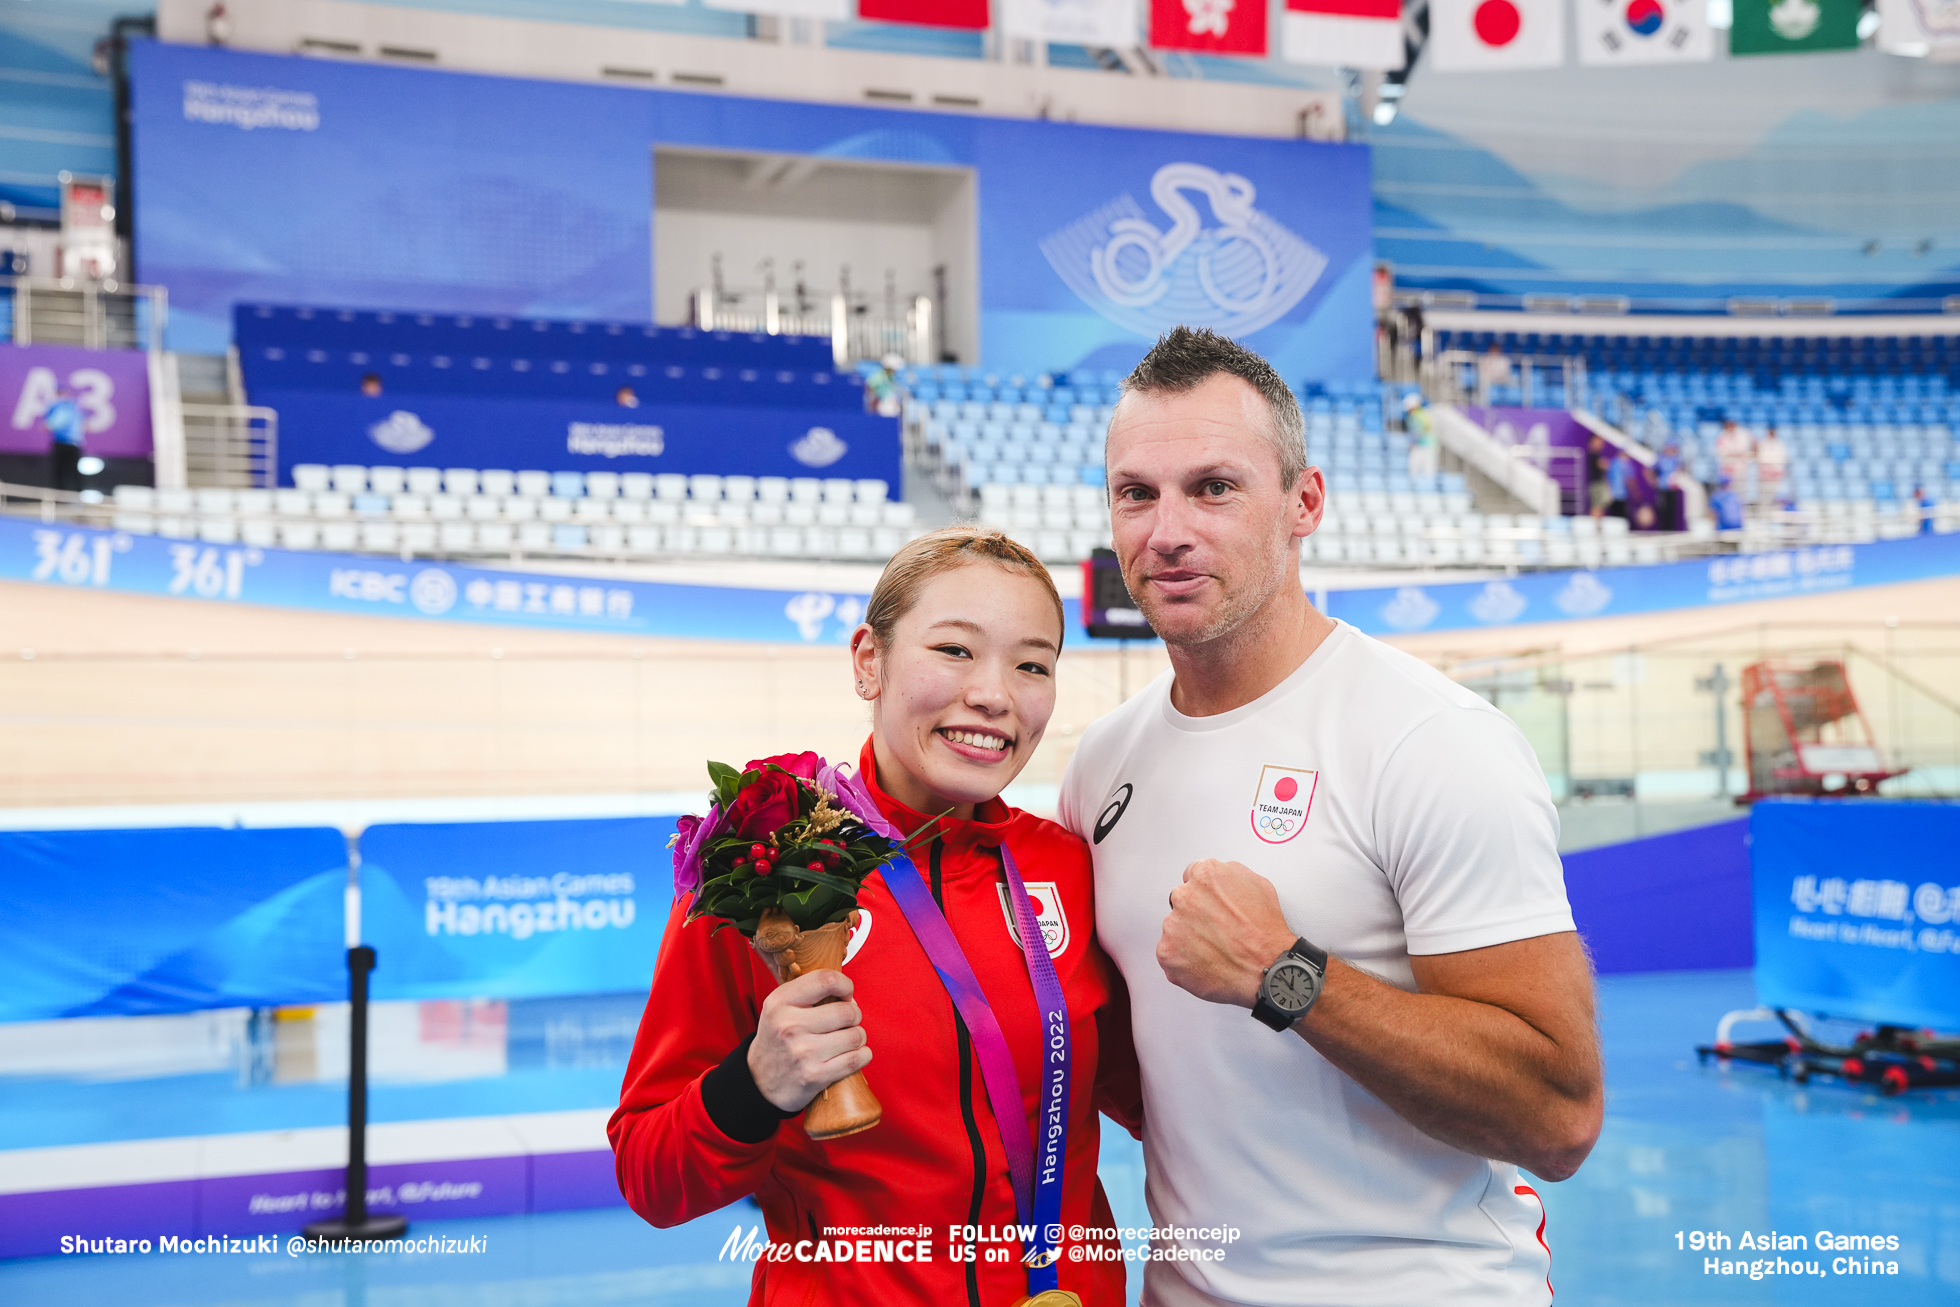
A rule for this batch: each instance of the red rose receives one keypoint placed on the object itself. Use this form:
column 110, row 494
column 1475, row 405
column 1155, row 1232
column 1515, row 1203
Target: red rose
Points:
column 764, row 805
column 805, row 764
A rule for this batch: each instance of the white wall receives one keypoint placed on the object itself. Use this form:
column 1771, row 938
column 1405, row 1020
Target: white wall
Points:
column 825, row 212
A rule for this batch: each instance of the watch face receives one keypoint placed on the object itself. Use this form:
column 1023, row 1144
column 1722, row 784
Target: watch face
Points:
column 1290, row 986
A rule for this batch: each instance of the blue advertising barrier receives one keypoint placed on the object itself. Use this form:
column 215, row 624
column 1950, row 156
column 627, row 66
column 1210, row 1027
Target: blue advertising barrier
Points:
column 257, row 326
column 267, row 178
column 1559, row 596
column 592, row 435
column 378, row 586
column 1857, row 908
column 1674, row 902
column 544, row 377
column 515, row 909
column 148, row 921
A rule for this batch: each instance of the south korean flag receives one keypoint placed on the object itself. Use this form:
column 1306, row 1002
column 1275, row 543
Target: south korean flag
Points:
column 1644, row 32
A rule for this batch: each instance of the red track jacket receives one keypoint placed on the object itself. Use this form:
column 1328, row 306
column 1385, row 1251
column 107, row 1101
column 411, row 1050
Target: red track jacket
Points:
column 936, row 1159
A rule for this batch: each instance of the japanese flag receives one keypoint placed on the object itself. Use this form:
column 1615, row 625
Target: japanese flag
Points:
column 1467, row 36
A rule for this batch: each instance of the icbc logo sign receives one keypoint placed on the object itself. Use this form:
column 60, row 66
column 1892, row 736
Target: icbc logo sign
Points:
column 1282, row 801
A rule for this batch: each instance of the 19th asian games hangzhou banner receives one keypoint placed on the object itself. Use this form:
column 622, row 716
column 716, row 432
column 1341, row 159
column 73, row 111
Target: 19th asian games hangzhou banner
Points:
column 308, row 181
column 1857, row 908
column 432, row 590
column 518, row 909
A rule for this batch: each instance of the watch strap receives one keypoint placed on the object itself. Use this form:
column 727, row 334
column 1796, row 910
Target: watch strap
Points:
column 1312, row 953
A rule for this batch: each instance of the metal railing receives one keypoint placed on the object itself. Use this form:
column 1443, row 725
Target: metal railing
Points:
column 855, row 331
column 1461, row 376
column 232, row 446
column 70, row 311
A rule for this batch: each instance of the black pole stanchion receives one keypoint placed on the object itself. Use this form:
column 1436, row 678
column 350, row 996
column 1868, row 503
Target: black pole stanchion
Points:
column 355, row 1222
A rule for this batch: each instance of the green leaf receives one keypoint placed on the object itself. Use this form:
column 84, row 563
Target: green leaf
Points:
column 819, row 878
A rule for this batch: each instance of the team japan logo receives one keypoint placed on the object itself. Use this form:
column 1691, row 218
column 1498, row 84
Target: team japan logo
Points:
column 1282, row 802
column 1045, row 897
column 1235, row 277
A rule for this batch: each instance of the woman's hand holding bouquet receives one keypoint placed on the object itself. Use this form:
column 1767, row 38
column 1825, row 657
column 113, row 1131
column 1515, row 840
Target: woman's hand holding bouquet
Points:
column 780, row 856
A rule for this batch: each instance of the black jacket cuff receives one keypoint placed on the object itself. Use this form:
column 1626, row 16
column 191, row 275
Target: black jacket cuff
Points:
column 734, row 1104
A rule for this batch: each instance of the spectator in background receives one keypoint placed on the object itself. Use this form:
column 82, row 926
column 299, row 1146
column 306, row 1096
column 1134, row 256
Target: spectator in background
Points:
column 63, row 419
column 1598, row 492
column 1621, row 472
column 1667, row 488
column 1493, row 370
column 1926, row 506
column 1772, row 464
column 371, row 384
column 1424, row 457
column 881, row 386
column 626, row 397
column 1735, row 450
column 1727, row 504
column 1644, row 518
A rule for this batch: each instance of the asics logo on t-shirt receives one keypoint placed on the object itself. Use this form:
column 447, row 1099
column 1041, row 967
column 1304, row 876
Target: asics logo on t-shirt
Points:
column 1113, row 811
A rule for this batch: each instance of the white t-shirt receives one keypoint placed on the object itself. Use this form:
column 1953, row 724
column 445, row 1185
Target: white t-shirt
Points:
column 1397, row 813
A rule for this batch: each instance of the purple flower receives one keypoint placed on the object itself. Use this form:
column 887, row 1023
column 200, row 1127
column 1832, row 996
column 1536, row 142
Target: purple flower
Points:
column 852, row 793
column 690, row 839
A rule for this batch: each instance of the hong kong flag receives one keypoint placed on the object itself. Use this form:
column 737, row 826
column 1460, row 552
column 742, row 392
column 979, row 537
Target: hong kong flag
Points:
column 1479, row 35
column 1211, row 26
column 971, row 14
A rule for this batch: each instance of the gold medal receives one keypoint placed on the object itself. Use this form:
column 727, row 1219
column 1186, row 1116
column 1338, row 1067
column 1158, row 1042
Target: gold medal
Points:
column 1050, row 1298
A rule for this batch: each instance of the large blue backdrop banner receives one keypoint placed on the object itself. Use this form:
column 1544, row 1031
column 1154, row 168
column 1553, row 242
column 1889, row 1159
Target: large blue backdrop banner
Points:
column 145, row 921
column 1857, row 908
column 309, row 181
column 515, row 909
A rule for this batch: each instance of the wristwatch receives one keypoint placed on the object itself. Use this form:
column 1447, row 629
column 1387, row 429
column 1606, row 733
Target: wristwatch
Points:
column 1289, row 987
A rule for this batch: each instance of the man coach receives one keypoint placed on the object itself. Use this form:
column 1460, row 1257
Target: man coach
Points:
column 1330, row 876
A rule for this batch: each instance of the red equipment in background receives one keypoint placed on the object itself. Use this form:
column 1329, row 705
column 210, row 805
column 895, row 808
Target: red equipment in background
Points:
column 1806, row 733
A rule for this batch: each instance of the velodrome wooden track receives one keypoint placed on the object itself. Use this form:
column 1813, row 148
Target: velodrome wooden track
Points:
column 114, row 699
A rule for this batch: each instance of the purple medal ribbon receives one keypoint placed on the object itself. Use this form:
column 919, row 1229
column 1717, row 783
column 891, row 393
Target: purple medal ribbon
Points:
column 1037, row 1178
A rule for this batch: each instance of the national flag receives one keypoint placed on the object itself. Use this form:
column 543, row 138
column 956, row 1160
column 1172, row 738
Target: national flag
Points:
column 1343, row 33
column 1072, row 22
column 1793, row 26
column 1644, row 31
column 1920, row 28
column 1209, row 26
column 1481, row 35
column 968, row 14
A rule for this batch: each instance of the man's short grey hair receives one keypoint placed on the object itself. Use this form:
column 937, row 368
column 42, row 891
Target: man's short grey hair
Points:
column 1184, row 358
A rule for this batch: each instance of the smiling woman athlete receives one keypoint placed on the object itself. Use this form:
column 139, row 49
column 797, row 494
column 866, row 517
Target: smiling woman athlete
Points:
column 957, row 657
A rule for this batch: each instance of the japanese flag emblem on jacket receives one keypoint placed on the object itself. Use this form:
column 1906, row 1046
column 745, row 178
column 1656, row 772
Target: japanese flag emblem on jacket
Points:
column 1045, row 896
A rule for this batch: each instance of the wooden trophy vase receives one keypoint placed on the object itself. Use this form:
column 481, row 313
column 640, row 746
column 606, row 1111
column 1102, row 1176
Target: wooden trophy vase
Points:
column 849, row 1106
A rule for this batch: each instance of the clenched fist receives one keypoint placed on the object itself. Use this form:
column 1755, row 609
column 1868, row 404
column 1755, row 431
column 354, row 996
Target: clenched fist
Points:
column 1225, row 927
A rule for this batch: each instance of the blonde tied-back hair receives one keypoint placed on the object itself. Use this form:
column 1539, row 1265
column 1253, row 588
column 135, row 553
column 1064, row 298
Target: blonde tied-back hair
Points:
column 938, row 552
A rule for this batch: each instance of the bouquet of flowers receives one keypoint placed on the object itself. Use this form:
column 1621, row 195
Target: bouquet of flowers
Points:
column 781, row 854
